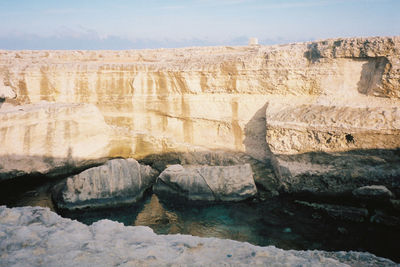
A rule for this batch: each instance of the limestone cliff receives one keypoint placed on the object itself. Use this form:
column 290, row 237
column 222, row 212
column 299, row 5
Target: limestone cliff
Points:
column 50, row 137
column 270, row 102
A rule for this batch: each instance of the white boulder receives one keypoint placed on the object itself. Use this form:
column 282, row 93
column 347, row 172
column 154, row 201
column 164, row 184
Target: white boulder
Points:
column 119, row 181
column 211, row 183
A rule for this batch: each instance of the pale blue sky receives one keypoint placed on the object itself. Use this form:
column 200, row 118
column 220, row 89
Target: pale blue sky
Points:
column 124, row 24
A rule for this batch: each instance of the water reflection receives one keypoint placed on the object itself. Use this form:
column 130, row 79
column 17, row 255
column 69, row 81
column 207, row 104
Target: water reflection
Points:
column 205, row 220
column 278, row 222
column 157, row 217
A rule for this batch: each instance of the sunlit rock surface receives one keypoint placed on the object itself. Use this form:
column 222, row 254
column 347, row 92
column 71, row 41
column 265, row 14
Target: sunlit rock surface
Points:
column 6, row 92
column 33, row 236
column 211, row 183
column 208, row 96
column 51, row 138
column 118, row 182
column 331, row 97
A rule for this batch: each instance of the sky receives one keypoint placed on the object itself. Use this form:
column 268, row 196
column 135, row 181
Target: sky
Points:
column 137, row 24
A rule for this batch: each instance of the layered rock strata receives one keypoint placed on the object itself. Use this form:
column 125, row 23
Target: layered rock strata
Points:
column 210, row 183
column 292, row 106
column 50, row 138
column 33, row 236
column 320, row 148
column 118, row 182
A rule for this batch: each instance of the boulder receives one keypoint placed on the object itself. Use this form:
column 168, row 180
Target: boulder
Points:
column 210, row 183
column 119, row 181
column 373, row 192
column 34, row 236
column 263, row 172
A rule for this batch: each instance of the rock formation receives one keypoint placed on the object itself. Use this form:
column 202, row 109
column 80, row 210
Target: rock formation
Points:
column 118, row 182
column 211, row 183
column 33, row 236
column 308, row 111
column 6, row 92
column 50, row 138
column 319, row 117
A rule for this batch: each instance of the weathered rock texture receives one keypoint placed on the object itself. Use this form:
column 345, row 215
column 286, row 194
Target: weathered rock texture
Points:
column 119, row 181
column 38, row 237
column 51, row 137
column 212, row 183
column 340, row 172
column 271, row 102
column 373, row 192
column 6, row 92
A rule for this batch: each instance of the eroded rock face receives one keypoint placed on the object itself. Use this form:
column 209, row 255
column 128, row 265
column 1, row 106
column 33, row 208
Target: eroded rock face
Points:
column 34, row 236
column 312, row 101
column 51, row 138
column 213, row 97
column 322, row 173
column 118, row 182
column 322, row 148
column 312, row 128
column 6, row 92
column 211, row 183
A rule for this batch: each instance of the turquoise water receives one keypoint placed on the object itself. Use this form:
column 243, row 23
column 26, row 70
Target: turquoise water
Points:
column 278, row 222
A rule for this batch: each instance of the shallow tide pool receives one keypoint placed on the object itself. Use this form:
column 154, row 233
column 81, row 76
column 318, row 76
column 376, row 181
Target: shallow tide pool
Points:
column 279, row 222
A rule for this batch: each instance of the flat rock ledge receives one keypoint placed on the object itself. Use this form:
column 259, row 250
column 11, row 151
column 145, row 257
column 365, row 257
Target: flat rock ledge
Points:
column 35, row 236
column 207, row 183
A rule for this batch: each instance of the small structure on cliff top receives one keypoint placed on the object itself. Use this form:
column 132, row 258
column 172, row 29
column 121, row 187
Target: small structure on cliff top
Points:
column 253, row 41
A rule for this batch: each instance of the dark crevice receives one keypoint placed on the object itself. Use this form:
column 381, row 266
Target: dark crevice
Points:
column 350, row 138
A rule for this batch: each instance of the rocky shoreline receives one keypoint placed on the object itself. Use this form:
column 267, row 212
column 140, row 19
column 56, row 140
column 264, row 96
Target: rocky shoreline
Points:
column 318, row 121
column 36, row 236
